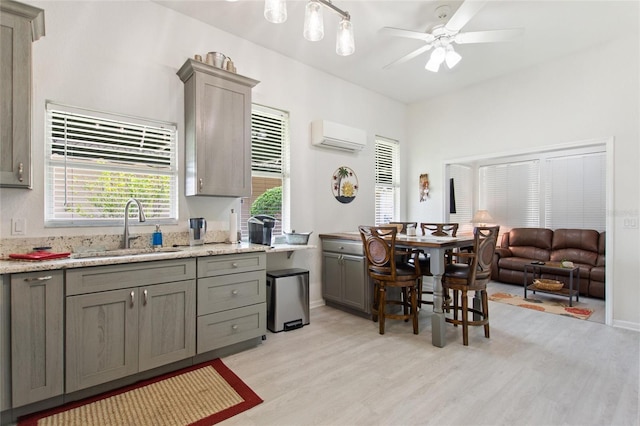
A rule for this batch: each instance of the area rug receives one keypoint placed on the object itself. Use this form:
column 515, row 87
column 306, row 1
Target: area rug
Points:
column 200, row 395
column 537, row 304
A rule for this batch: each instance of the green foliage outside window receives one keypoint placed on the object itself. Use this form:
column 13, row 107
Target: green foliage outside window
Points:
column 270, row 202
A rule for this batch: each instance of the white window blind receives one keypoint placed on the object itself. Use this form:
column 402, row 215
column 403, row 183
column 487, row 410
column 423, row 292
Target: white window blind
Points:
column 269, row 141
column 387, row 190
column 96, row 161
column 511, row 193
column 463, row 190
column 575, row 192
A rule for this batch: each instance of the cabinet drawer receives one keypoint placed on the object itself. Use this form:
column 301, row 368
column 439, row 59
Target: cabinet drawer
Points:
column 343, row 246
column 229, row 327
column 226, row 292
column 231, row 264
column 113, row 277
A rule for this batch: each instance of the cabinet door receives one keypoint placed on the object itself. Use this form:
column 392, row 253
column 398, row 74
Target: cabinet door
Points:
column 331, row 276
column 223, row 142
column 102, row 337
column 355, row 282
column 36, row 336
column 15, row 92
column 167, row 331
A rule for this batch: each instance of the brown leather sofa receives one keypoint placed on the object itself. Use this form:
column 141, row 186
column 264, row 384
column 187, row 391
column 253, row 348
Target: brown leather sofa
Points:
column 583, row 247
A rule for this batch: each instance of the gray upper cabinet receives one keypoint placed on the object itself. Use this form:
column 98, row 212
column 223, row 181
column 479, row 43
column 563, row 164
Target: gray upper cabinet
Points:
column 217, row 109
column 20, row 26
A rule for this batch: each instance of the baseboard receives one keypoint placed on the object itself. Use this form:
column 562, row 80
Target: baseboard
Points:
column 316, row 304
column 628, row 325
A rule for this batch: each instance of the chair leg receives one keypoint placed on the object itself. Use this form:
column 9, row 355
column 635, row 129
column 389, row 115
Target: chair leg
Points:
column 420, row 292
column 465, row 318
column 376, row 298
column 381, row 306
column 414, row 307
column 455, row 306
column 485, row 311
column 405, row 303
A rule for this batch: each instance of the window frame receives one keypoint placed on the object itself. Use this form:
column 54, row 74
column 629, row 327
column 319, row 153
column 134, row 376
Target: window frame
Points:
column 149, row 159
column 387, row 182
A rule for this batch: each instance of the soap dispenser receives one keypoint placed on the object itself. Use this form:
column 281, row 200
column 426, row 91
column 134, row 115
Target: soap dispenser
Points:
column 156, row 239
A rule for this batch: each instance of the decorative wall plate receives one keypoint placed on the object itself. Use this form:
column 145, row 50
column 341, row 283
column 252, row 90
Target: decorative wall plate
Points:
column 344, row 184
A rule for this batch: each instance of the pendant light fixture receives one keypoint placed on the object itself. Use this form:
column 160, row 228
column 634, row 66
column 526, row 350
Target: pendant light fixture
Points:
column 443, row 52
column 276, row 11
column 313, row 23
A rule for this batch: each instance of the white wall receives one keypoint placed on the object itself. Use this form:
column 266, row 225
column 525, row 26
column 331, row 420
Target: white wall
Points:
column 591, row 95
column 123, row 57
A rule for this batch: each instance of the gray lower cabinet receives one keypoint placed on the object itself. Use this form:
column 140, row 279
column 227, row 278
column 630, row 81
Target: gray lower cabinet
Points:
column 344, row 275
column 37, row 330
column 21, row 24
column 232, row 303
column 146, row 321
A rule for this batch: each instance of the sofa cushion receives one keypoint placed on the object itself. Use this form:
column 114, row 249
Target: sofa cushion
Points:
column 576, row 245
column 601, row 245
column 529, row 243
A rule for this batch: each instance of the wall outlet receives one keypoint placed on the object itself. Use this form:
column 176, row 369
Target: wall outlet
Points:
column 19, row 226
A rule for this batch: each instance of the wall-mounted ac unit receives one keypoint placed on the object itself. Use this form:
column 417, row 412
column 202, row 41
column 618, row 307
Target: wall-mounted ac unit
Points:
column 337, row 136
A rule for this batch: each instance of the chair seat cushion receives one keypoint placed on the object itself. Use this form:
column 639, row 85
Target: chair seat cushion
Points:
column 456, row 270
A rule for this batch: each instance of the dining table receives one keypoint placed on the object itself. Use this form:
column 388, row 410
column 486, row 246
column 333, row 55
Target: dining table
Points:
column 436, row 248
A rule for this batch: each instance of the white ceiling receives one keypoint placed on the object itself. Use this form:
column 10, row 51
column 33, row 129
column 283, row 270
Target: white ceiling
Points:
column 551, row 29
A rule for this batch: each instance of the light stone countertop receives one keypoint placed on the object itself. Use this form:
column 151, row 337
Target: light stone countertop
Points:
column 17, row 266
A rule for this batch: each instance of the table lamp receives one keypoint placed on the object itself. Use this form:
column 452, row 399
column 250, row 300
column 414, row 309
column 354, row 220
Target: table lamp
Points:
column 482, row 218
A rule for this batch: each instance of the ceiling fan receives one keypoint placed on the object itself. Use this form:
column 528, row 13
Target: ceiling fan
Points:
column 443, row 36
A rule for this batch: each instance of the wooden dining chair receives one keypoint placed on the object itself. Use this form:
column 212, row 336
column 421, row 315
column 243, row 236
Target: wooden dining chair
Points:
column 472, row 274
column 386, row 272
column 436, row 230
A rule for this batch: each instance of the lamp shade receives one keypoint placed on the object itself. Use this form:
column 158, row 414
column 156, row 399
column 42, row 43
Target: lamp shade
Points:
column 313, row 22
column 345, row 44
column 482, row 217
column 275, row 11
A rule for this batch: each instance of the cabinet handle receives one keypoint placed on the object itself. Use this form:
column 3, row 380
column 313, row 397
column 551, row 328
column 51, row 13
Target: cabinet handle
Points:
column 133, row 297
column 200, row 184
column 234, row 265
column 31, row 279
column 234, row 292
column 146, row 294
column 20, row 171
column 234, row 327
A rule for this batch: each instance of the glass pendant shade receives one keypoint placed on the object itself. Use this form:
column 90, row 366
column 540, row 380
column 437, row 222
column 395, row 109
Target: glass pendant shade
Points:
column 436, row 59
column 345, row 44
column 313, row 23
column 452, row 57
column 275, row 11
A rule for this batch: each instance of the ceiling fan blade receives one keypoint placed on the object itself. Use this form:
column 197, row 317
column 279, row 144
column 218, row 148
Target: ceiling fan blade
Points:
column 409, row 56
column 465, row 12
column 397, row 32
column 488, row 36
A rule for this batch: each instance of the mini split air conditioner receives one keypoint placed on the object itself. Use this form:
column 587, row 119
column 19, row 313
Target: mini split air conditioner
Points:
column 337, row 136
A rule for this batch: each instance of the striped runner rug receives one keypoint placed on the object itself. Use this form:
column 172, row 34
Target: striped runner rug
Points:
column 200, row 395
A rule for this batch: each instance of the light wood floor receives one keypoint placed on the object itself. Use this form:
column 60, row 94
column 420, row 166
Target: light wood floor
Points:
column 536, row 369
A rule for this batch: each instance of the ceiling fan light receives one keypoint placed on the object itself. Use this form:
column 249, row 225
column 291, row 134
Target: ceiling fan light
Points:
column 313, row 22
column 275, row 11
column 452, row 57
column 345, row 44
column 436, row 59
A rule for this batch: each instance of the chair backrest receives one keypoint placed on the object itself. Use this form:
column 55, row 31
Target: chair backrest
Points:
column 379, row 246
column 439, row 229
column 484, row 245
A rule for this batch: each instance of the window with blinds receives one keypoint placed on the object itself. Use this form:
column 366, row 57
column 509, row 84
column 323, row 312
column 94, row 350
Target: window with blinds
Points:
column 387, row 187
column 269, row 141
column 511, row 193
column 97, row 161
column 462, row 177
column 575, row 192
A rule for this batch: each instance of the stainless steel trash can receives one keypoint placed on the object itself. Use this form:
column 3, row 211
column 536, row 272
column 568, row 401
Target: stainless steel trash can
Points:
column 287, row 299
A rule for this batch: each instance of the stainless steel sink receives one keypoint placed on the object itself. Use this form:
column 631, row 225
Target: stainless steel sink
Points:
column 124, row 252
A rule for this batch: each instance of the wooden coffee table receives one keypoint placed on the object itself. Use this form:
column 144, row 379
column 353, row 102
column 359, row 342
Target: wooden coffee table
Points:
column 536, row 270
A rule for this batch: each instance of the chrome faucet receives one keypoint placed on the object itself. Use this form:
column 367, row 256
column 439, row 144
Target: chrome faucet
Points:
column 141, row 218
